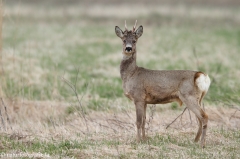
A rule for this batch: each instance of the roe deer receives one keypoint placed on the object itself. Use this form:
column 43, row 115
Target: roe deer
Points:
column 144, row 86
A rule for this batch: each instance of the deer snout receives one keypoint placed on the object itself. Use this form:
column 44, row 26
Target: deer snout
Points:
column 128, row 49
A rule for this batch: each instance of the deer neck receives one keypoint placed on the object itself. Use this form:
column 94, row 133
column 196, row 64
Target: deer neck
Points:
column 128, row 65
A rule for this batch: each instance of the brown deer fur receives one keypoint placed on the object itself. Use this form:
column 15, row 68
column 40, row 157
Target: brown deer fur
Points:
column 144, row 86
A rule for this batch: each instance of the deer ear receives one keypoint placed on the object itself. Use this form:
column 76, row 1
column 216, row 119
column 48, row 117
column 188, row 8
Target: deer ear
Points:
column 139, row 31
column 118, row 32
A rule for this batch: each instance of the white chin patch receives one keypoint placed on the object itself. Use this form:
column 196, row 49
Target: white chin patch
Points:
column 128, row 52
column 127, row 55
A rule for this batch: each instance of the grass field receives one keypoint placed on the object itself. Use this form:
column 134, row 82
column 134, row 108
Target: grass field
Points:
column 62, row 88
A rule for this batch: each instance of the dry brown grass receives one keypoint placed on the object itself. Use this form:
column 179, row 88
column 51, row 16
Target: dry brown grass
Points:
column 22, row 112
column 48, row 121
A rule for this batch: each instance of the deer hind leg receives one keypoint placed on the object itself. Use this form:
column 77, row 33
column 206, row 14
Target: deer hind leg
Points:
column 144, row 122
column 205, row 121
column 139, row 118
column 199, row 133
column 192, row 103
column 204, row 131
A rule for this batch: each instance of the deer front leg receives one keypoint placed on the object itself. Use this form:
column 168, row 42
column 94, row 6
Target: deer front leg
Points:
column 139, row 118
column 144, row 122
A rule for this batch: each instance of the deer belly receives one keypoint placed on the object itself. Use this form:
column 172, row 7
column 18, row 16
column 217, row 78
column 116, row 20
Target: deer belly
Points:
column 151, row 99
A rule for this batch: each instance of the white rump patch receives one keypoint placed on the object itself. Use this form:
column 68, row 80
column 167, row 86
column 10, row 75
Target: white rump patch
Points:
column 203, row 82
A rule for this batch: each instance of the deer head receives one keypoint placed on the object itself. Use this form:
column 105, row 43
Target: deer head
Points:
column 129, row 38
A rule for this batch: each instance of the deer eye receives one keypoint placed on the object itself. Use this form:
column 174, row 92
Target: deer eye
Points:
column 134, row 41
column 124, row 41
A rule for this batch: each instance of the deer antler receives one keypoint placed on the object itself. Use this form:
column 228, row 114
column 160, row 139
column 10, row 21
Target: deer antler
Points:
column 134, row 27
column 126, row 25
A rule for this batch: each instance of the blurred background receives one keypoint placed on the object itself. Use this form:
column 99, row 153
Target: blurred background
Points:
column 48, row 39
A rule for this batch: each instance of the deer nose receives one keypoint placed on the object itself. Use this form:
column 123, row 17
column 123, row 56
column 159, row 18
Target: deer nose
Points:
column 128, row 49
